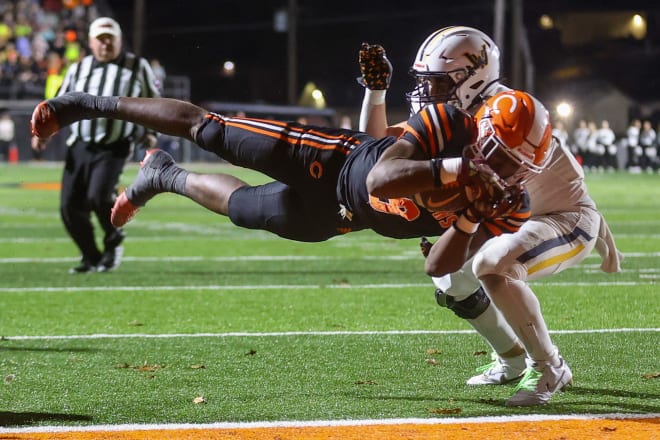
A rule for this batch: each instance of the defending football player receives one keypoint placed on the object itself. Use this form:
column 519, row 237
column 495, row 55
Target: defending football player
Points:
column 460, row 65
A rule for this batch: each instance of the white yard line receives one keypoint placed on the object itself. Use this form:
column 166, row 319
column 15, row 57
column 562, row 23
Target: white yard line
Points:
column 283, row 287
column 299, row 333
column 230, row 258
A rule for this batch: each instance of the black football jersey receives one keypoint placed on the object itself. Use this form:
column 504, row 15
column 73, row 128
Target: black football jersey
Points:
column 439, row 131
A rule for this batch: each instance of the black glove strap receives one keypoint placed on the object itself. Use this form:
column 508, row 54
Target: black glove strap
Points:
column 436, row 164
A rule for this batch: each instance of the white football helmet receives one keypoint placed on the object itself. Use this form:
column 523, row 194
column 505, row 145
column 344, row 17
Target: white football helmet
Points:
column 458, row 65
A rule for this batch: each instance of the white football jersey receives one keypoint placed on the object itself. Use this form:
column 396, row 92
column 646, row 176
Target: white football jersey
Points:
column 560, row 186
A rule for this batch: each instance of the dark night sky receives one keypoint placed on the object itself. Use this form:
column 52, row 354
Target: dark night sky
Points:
column 194, row 37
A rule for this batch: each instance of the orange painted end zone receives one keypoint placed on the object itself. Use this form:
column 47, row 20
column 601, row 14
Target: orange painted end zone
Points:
column 49, row 186
column 604, row 429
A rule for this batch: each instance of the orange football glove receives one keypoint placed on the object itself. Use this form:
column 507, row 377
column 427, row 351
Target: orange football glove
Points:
column 375, row 68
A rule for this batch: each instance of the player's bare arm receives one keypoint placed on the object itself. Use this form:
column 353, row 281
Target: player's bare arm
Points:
column 401, row 171
column 451, row 250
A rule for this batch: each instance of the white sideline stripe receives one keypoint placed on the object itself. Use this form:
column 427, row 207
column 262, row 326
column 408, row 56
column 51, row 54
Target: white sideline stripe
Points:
column 405, row 256
column 284, row 287
column 213, row 235
column 202, row 258
column 329, row 423
column 301, row 333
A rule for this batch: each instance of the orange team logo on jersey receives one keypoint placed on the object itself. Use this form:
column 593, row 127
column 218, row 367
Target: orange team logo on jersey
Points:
column 316, row 169
column 402, row 207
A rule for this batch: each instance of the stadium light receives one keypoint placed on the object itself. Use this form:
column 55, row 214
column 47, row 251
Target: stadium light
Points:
column 319, row 99
column 638, row 27
column 312, row 96
column 564, row 110
column 546, row 22
column 228, row 69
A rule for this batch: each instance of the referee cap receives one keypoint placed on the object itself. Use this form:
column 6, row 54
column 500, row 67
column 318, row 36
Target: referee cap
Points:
column 104, row 26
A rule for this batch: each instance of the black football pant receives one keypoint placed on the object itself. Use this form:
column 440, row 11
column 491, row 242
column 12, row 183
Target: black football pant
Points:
column 89, row 184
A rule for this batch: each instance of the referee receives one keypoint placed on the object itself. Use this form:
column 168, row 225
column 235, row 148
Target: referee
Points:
column 99, row 149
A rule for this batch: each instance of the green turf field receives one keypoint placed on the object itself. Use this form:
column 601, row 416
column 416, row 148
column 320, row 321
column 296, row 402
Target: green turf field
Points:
column 265, row 329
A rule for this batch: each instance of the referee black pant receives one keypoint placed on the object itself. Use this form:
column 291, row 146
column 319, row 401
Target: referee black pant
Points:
column 89, row 184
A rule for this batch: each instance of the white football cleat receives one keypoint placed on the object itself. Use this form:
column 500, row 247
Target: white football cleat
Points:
column 500, row 371
column 540, row 382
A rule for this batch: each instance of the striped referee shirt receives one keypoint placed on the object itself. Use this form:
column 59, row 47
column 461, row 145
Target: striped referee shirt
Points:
column 128, row 75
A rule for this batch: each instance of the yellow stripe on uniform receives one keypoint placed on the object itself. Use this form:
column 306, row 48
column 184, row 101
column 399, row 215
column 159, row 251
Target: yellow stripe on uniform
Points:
column 557, row 259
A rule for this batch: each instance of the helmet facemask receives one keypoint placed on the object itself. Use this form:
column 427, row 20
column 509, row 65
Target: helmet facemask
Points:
column 432, row 87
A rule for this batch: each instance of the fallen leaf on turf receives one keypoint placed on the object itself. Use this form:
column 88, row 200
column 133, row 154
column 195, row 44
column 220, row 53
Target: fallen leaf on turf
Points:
column 198, row 400
column 433, row 351
column 480, row 353
column 10, row 378
column 651, row 376
column 135, row 323
column 445, row 410
column 149, row 368
column 144, row 367
column 251, row 353
column 432, row 362
column 197, row 367
column 365, row 382
column 607, row 429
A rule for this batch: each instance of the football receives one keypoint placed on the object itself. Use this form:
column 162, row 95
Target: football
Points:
column 43, row 123
column 448, row 197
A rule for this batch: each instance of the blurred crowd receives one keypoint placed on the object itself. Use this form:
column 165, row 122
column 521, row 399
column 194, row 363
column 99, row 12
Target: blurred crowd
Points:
column 598, row 148
column 38, row 40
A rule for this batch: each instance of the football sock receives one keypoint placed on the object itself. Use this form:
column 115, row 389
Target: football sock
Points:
column 492, row 326
column 177, row 177
column 519, row 305
column 160, row 174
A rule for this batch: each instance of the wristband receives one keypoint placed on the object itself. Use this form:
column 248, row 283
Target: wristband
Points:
column 436, row 165
column 374, row 97
column 450, row 169
column 465, row 226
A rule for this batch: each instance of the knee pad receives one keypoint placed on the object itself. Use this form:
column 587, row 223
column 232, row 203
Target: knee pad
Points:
column 469, row 308
column 441, row 297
